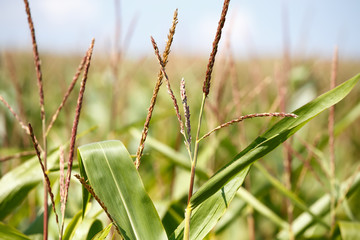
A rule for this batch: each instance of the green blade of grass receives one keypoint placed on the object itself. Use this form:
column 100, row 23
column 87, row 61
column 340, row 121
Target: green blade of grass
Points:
column 103, row 233
column 71, row 227
column 271, row 139
column 347, row 120
column 17, row 183
column 88, row 228
column 206, row 215
column 219, row 190
column 349, row 230
column 114, row 178
column 9, row 233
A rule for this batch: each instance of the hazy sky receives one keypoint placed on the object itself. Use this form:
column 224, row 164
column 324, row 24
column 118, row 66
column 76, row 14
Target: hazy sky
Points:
column 256, row 26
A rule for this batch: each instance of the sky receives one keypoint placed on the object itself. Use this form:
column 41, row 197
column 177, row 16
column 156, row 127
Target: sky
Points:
column 311, row 27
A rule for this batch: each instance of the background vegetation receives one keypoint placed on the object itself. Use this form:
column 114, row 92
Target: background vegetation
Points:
column 115, row 107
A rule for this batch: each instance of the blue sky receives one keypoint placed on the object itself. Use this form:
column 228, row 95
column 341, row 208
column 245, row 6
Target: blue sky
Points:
column 256, row 26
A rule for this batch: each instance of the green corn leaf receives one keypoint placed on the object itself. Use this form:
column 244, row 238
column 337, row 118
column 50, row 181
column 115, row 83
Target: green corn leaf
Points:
column 272, row 139
column 71, row 227
column 114, row 178
column 86, row 195
column 9, row 233
column 87, row 229
column 349, row 230
column 220, row 189
column 103, row 233
column 17, row 183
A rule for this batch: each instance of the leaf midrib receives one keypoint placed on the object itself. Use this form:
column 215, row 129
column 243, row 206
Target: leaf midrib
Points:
column 121, row 195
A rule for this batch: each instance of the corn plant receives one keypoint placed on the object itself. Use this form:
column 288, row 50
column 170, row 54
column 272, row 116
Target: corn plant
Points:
column 109, row 173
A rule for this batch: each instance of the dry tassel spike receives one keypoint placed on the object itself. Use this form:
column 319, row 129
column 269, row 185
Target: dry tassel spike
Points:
column 171, row 93
column 156, row 90
column 47, row 180
column 242, row 118
column 76, row 123
column 186, row 111
column 206, row 86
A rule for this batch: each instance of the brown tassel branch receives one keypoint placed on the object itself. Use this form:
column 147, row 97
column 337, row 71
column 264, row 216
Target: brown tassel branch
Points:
column 156, row 90
column 206, row 86
column 101, row 203
column 75, row 126
column 242, row 118
column 46, row 177
column 171, row 93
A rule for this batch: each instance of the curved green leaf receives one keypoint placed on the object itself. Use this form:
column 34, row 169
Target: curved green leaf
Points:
column 117, row 183
column 103, row 233
column 71, row 227
column 17, row 183
column 9, row 233
column 219, row 189
column 350, row 230
column 87, row 229
column 271, row 139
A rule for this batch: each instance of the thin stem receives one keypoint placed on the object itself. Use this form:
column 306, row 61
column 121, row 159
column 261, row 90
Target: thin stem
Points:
column 21, row 123
column 42, row 108
column 193, row 168
column 17, row 155
column 331, row 121
column 17, row 117
column 46, row 177
column 76, row 123
column 206, row 90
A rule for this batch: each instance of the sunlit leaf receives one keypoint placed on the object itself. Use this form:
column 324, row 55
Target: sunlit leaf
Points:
column 17, row 183
column 9, row 233
column 350, row 230
column 220, row 189
column 103, row 233
column 115, row 180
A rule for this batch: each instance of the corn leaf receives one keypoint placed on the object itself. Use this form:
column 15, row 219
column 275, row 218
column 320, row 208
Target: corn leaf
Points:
column 71, row 227
column 220, row 189
column 9, row 233
column 115, row 180
column 103, row 233
column 349, row 230
column 17, row 183
column 87, row 229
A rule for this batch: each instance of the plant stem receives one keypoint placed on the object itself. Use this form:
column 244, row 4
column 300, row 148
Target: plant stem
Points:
column 331, row 121
column 193, row 168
